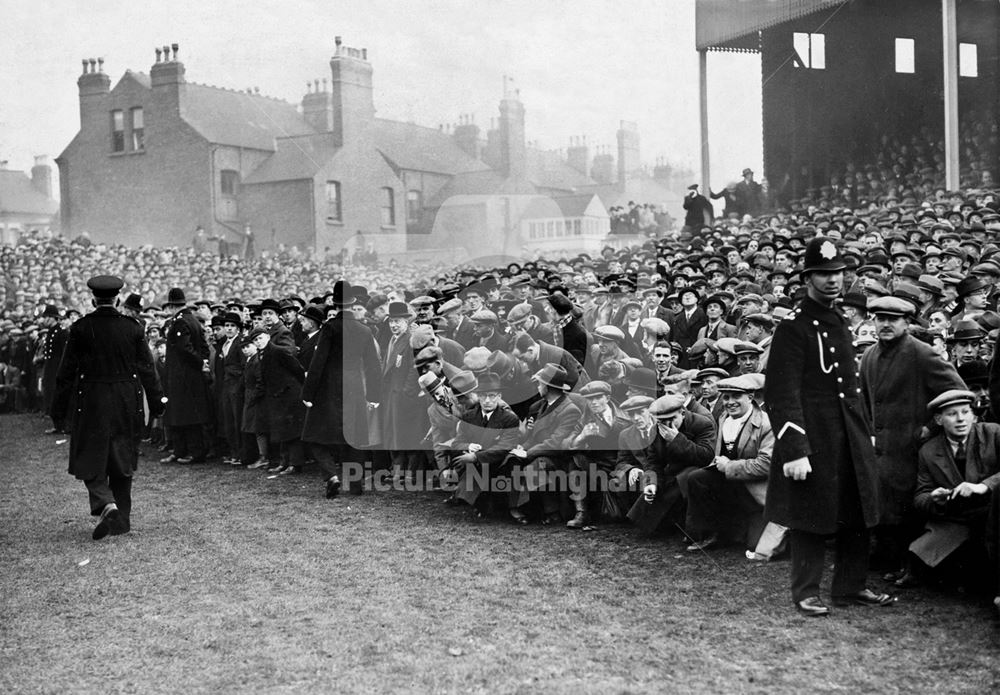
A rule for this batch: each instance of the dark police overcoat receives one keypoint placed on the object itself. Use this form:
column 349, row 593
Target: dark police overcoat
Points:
column 104, row 370
column 814, row 402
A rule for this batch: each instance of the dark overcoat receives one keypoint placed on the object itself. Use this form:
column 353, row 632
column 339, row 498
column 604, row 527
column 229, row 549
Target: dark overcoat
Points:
column 343, row 377
column 282, row 376
column 254, row 407
column 404, row 414
column 897, row 382
column 815, row 405
column 106, row 366
column 187, row 386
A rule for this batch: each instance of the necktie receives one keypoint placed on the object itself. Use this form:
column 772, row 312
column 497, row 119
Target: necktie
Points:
column 960, row 459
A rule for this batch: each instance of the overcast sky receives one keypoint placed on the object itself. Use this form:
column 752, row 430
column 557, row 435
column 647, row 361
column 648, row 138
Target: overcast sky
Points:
column 581, row 65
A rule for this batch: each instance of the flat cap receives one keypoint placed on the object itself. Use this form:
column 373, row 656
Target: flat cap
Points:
column 595, row 388
column 745, row 347
column 519, row 313
column 105, row 285
column 422, row 300
column 950, row 397
column 428, row 355
column 890, row 306
column 485, row 316
column 636, row 403
column 451, row 305
column 718, row 372
column 609, row 333
column 667, row 406
column 745, row 383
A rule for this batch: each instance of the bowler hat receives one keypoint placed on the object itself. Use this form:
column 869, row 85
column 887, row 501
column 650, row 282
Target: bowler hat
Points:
column 133, row 302
column 399, row 310
column 642, row 379
column 343, row 293
column 232, row 317
column 52, row 312
column 175, row 297
column 272, row 304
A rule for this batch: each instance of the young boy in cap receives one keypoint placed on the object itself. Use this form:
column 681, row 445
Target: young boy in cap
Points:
column 958, row 490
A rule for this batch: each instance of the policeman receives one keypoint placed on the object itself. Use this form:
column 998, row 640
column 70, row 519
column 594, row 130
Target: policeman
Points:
column 106, row 367
column 823, row 479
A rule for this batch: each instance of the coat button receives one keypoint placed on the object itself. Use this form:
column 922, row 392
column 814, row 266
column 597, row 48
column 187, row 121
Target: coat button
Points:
column 840, row 379
column 841, row 395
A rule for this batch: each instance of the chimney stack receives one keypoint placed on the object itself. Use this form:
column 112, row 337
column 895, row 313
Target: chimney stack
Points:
column 603, row 168
column 41, row 176
column 351, row 93
column 466, row 135
column 513, row 153
column 167, row 80
column 93, row 88
column 578, row 155
column 628, row 153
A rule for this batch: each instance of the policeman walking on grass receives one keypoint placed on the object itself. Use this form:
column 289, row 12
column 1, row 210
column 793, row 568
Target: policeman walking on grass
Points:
column 823, row 480
column 106, row 367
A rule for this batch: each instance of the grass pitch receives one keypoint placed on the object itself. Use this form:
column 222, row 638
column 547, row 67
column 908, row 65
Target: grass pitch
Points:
column 231, row 582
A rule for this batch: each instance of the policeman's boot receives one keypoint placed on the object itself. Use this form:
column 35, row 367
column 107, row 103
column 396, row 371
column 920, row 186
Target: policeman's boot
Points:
column 579, row 520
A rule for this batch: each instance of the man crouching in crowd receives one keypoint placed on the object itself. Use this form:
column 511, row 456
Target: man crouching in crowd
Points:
column 958, row 492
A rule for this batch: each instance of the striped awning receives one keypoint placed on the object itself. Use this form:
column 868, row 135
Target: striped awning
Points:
column 733, row 24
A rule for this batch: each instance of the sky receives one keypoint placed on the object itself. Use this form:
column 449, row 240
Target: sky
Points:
column 581, row 66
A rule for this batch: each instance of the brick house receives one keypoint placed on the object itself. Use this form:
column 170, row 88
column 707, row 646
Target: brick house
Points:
column 157, row 157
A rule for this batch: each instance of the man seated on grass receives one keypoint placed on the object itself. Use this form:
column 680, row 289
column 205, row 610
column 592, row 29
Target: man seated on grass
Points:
column 595, row 449
column 725, row 496
column 958, row 491
column 543, row 450
column 487, row 431
column 679, row 442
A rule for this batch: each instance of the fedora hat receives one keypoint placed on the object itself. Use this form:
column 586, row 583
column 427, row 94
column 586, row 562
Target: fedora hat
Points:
column 272, row 304
column 232, row 317
column 315, row 313
column 966, row 329
column 554, row 376
column 463, row 383
column 489, row 381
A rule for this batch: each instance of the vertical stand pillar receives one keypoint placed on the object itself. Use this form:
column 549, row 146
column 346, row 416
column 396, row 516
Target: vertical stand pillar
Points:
column 703, row 104
column 949, row 34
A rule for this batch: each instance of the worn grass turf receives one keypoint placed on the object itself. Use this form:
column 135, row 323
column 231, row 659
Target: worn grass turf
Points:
column 231, row 582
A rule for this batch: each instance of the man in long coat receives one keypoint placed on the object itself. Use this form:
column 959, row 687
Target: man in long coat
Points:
column 899, row 375
column 106, row 367
column 344, row 377
column 823, row 479
column 403, row 415
column 282, row 376
column 189, row 407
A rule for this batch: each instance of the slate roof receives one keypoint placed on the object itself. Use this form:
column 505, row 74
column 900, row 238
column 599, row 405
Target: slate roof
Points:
column 228, row 117
column 486, row 182
column 418, row 148
column 567, row 205
column 548, row 170
column 296, row 158
column 18, row 195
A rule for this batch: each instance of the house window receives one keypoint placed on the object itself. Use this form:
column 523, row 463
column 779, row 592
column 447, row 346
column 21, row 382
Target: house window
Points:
column 117, row 131
column 904, row 56
column 387, row 207
column 229, row 182
column 810, row 50
column 576, row 228
column 333, row 210
column 414, row 205
column 968, row 60
column 550, row 229
column 138, row 129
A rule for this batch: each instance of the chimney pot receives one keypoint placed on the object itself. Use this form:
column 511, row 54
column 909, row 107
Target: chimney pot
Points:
column 309, row 87
column 93, row 65
column 256, row 90
column 100, row 65
column 337, row 40
column 324, row 85
column 175, row 47
column 166, row 54
column 84, row 66
column 364, row 53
